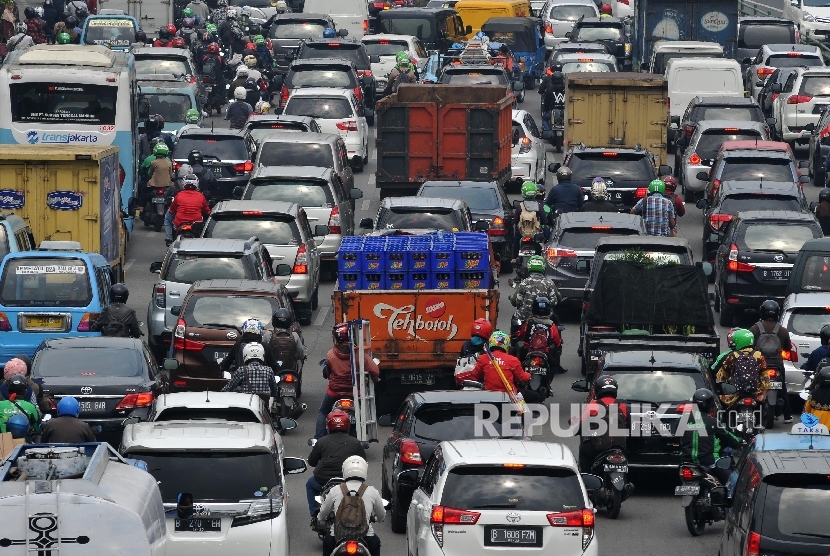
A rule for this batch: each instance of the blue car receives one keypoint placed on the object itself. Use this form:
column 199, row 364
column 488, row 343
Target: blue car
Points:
column 523, row 35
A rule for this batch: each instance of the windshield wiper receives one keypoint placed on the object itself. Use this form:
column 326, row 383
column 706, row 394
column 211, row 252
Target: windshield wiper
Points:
column 494, row 506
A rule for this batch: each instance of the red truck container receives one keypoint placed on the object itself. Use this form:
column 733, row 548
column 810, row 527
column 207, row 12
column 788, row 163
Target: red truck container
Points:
column 442, row 132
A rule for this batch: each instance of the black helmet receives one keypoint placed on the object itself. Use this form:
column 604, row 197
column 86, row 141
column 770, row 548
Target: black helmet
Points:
column 164, row 34
column 605, row 387
column 770, row 310
column 119, row 293
column 29, row 12
column 824, row 334
column 141, row 36
column 18, row 385
column 195, row 157
column 71, row 22
column 282, row 318
column 705, row 399
column 541, row 307
column 823, row 377
column 824, row 195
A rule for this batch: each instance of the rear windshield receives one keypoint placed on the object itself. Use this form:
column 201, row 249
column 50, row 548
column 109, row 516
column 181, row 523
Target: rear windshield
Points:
column 320, row 107
column 752, row 201
column 217, row 148
column 340, row 50
column 730, row 113
column 756, row 36
column 776, row 237
column 449, row 422
column 662, row 60
column 164, row 66
column 663, row 258
column 171, row 107
column 228, row 310
column 304, row 193
column 808, row 322
column 259, row 132
column 110, row 31
column 296, row 154
column 571, row 13
column 187, row 268
column 815, row 85
column 590, row 33
column 385, row 47
column 91, row 362
column 232, row 415
column 531, row 489
column 320, row 77
column 477, row 198
column 416, row 27
column 789, row 61
column 298, row 30
column 655, row 385
column 578, row 67
column 618, row 167
column 816, row 274
column 793, row 509
column 46, row 282
column 702, row 79
column 711, row 140
column 474, row 78
column 413, row 218
column 268, row 229
column 754, row 168
column 587, row 238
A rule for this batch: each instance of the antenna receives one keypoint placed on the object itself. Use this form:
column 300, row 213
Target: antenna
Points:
column 652, row 360
column 211, row 127
column 207, row 396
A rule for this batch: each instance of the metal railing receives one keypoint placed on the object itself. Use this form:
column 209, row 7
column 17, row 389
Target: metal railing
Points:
column 749, row 7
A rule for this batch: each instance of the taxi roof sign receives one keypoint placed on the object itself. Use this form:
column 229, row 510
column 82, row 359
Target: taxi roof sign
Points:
column 810, row 425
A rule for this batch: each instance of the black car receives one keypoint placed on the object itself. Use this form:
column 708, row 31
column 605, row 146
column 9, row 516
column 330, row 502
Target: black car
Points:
column 328, row 72
column 648, row 381
column 487, row 201
column 819, row 148
column 613, row 32
column 354, row 52
column 226, row 152
column 766, row 96
column 422, row 213
column 755, row 32
column 756, row 256
column 436, row 28
column 423, row 420
column 112, row 378
column 289, row 30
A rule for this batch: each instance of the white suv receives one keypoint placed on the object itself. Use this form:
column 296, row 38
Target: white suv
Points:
column 800, row 102
column 529, row 156
column 803, row 316
column 493, row 496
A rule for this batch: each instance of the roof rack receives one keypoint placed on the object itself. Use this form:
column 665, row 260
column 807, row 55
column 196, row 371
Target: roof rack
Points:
column 68, row 55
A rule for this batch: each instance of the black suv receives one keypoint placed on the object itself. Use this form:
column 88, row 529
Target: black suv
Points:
column 226, row 152
column 289, row 31
column 627, row 172
column 354, row 52
column 755, row 32
column 613, row 32
column 436, row 28
column 329, row 72
column 756, row 256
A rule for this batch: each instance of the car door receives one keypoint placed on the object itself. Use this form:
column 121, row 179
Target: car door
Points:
column 341, row 164
column 420, row 509
column 538, row 146
column 739, row 517
column 781, row 102
column 342, row 200
column 392, row 448
column 311, row 242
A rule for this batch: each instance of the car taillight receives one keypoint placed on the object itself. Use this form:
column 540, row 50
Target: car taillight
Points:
column 753, row 544
column 334, row 220
column 442, row 515
column 734, row 264
column 763, row 73
column 134, row 400
column 301, row 261
column 799, row 99
column 580, row 518
column 365, row 73
column 410, row 453
column 161, row 296
column 641, row 192
column 548, row 28
column 358, row 92
column 526, row 144
column 244, row 167
column 789, row 355
column 5, row 325
column 624, row 2
column 496, row 227
column 555, row 256
column 775, row 96
column 717, row 220
column 349, row 125
column 824, row 132
column 177, row 165
column 772, row 373
column 689, row 129
column 284, row 95
column 694, row 159
column 86, row 322
column 365, row 25
column 179, row 341
column 715, row 187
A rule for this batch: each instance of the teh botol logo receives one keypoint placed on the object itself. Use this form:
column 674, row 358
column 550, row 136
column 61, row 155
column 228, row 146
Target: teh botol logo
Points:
column 405, row 319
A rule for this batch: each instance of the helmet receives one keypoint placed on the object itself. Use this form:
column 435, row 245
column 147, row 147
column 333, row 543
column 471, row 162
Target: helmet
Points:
column 563, row 174
column 192, row 116
column 259, row 40
column 183, row 171
column 164, row 34
column 82, row 11
column 822, row 379
column 281, row 6
column 770, row 310
column 29, row 12
column 14, row 367
column 161, row 149
column 171, row 28
column 355, row 467
column 598, row 189
column 605, row 387
column 824, row 334
column 64, row 38
column 140, row 36
column 39, row 12
column 222, row 3
column 159, row 121
column 657, row 186
column 541, row 306
column 250, row 46
column 211, row 28
column 119, row 293
column 187, row 12
column 188, row 22
column 282, row 318
column 824, row 195
column 671, row 183
column 328, row 34
column 340, row 333
column 536, row 264
column 20, row 27
column 337, row 420
column 730, row 340
column 195, row 157
column 232, row 13
column 264, row 108
column 529, row 190
column 18, row 384
column 246, row 11
column 743, row 338
column 253, row 351
column 605, row 9
column 481, row 328
column 240, row 93
column 18, row 425
column 241, row 71
column 252, row 326
column 705, row 399
column 250, row 61
column 69, row 406
column 71, row 21
column 178, row 42
column 190, row 181
column 499, row 340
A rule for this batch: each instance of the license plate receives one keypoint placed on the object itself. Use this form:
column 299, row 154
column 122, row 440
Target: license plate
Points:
column 217, row 170
column 219, row 356
column 617, row 468
column 648, row 428
column 208, row 89
column 513, row 536
column 776, row 274
column 158, row 200
column 198, row 525
column 536, row 370
column 687, row 490
column 289, row 391
column 776, row 386
column 526, row 253
column 51, row 323
column 93, row 406
column 413, row 378
column 618, row 195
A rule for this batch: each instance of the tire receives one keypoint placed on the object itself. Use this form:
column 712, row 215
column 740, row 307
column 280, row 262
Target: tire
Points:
column 315, row 298
column 769, row 416
column 158, row 221
column 521, row 98
column 306, row 321
column 726, row 315
column 559, row 145
column 616, row 504
column 693, row 523
column 717, row 301
column 397, row 521
column 357, row 165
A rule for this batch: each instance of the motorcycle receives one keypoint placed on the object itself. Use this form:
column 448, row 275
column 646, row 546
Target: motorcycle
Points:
column 612, row 467
column 351, row 548
column 528, row 247
column 322, row 528
column 744, row 416
column 698, row 492
column 553, row 128
column 774, row 403
column 536, row 363
column 187, row 230
column 286, row 405
column 213, row 96
column 160, row 201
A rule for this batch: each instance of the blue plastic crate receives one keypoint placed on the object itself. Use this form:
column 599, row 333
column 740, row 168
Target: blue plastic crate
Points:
column 396, row 281
column 442, row 257
column 349, row 281
column 418, row 281
column 374, row 281
column 396, row 254
column 478, row 280
column 442, row 281
column 373, row 257
column 348, row 258
column 470, row 257
column 472, row 237
column 417, row 254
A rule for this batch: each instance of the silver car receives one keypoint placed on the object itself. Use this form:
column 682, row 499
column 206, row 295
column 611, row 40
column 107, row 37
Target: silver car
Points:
column 559, row 18
column 803, row 316
column 529, row 155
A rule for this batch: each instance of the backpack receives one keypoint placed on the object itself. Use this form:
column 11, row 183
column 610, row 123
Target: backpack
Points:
column 539, row 337
column 402, row 77
column 769, row 344
column 283, row 347
column 350, row 520
column 529, row 224
column 116, row 327
column 745, row 376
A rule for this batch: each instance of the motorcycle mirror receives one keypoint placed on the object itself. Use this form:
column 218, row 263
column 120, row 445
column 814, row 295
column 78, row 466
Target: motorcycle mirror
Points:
column 539, row 238
column 287, row 424
column 312, row 442
column 803, row 395
column 227, row 376
column 718, row 496
column 723, row 463
column 385, row 420
column 591, row 482
column 580, row 385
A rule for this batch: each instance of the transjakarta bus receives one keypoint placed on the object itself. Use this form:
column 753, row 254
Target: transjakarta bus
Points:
column 72, row 95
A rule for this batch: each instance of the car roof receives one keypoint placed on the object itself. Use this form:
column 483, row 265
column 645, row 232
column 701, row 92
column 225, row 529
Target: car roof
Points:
column 785, row 215
column 211, row 400
column 462, row 183
column 392, row 202
column 595, row 56
column 652, row 359
column 615, row 219
column 763, row 19
column 809, row 299
column 793, row 461
column 770, row 147
column 294, row 137
column 652, row 243
column 348, row 42
column 279, row 118
column 718, row 100
column 210, row 245
column 710, row 62
column 498, row 452
column 160, row 52
column 194, row 435
column 818, row 244
column 780, row 440
column 302, row 15
column 386, row 37
column 518, row 23
column 603, row 20
column 316, row 172
column 459, row 396
column 94, row 259
column 321, row 92
column 706, row 125
column 279, row 207
column 414, row 12
column 85, row 342
column 581, row 149
column 792, row 48
column 236, row 284
column 567, row 46
column 736, row 187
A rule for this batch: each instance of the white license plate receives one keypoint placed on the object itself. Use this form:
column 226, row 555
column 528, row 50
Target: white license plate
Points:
column 776, row 385
column 776, row 274
column 616, row 468
column 219, row 356
column 418, row 378
column 649, row 429
column 513, row 536
column 536, row 370
column 157, row 200
column 93, row 406
column 288, row 392
column 525, row 253
column 687, row 490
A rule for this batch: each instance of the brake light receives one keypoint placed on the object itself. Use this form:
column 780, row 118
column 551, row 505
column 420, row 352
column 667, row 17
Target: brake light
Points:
column 134, row 400
column 334, row 220
column 252, row 212
column 689, row 129
column 717, row 221
column 799, row 99
column 345, row 403
column 601, row 228
column 526, row 144
column 350, row 125
column 764, row 72
column 794, row 54
column 177, row 165
column 86, row 322
column 772, row 373
column 334, row 44
column 610, row 154
column 694, row 159
column 364, row 73
column 748, row 402
column 641, row 192
column 380, row 5
column 284, row 95
column 548, row 28
column 789, row 355
column 5, row 325
column 775, row 96
column 351, row 547
column 365, row 25
column 624, row 2
column 580, row 518
column 734, row 265
column 715, row 187
column 442, row 515
column 687, row 474
column 824, row 132
column 555, row 256
column 179, row 341
column 753, row 544
column 159, row 191
column 301, row 261
column 496, row 227
column 410, row 453
column 161, row 295
column 244, row 167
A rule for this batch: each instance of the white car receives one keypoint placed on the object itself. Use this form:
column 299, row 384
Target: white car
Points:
column 772, row 56
column 559, row 18
column 528, row 159
column 804, row 95
column 803, row 316
column 387, row 47
column 500, row 497
column 336, row 111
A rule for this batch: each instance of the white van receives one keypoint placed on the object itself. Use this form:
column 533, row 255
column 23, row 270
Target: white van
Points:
column 352, row 15
column 664, row 51
column 693, row 77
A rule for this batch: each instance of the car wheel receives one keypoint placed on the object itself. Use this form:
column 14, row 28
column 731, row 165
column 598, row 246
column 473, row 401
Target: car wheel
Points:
column 398, row 522
column 521, row 98
column 357, row 164
column 717, row 301
column 726, row 315
column 315, row 299
column 305, row 310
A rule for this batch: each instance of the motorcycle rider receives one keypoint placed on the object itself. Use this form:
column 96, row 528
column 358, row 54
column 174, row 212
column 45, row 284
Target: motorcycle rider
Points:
column 591, row 443
column 472, row 349
column 704, row 436
column 165, row 36
column 117, row 319
column 821, row 352
column 530, row 218
column 283, row 323
column 35, row 26
column 199, row 9
column 327, row 457
column 535, row 285
column 771, row 339
column 239, row 110
column 18, row 402
column 160, row 173
column 511, row 368
column 822, row 211
column 657, row 211
column 193, row 120
column 338, row 365
column 253, row 376
column 565, row 196
column 730, row 344
column 152, row 129
column 12, row 368
column 251, row 332
column 403, row 72
column 20, row 40
column 207, row 181
column 239, row 80
column 540, row 315
column 263, row 55
column 818, row 402
column 744, row 346
column 189, row 205
column 599, row 198
column 66, row 427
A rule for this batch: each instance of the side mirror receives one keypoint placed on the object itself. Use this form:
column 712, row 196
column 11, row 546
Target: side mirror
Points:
column 155, row 267
column 321, row 230
column 355, row 194
column 568, row 35
column 366, row 224
column 176, row 310
column 702, row 204
column 724, row 463
column 725, row 389
column 580, row 386
column 664, row 170
column 170, row 364
column 591, row 482
column 804, row 163
column 771, row 122
column 718, row 496
column 283, row 270
column 554, row 167
column 293, row 466
column 238, row 191
column 408, row 478
column 703, row 176
column 539, row 237
column 385, row 420
column 516, row 204
column 804, row 179
column 582, row 266
column 813, row 206
column 776, row 88
column 675, row 120
column 714, row 237
column 482, row 226
column 130, row 421
column 374, row 59
column 287, row 424
column 518, row 86
column 746, row 61
column 343, row 32
column 468, row 30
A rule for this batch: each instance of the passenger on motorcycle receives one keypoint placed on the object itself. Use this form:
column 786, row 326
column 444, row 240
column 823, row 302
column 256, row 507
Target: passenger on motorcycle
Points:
column 152, row 129
column 530, row 218
column 211, row 63
column 338, row 364
column 239, row 110
column 591, row 442
column 599, row 198
column 705, row 436
column 821, row 352
column 189, row 205
column 160, row 172
column 535, row 285
column 327, row 457
column 239, row 80
column 565, row 196
column 552, row 89
column 472, row 349
column 730, row 343
column 193, row 120
column 254, row 376
column 509, row 367
column 770, row 339
column 818, row 402
column 251, row 332
column 264, row 58
column 165, row 36
column 540, row 333
column 207, row 181
column 743, row 369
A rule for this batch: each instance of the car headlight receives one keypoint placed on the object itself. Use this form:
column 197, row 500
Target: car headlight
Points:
column 808, row 16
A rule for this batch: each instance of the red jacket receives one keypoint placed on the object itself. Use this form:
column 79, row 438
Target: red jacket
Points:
column 340, row 373
column 189, row 206
column 510, row 367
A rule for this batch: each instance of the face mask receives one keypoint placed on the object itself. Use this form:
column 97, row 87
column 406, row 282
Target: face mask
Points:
column 477, row 341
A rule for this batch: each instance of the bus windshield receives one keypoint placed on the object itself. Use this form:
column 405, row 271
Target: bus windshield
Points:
column 108, row 31
column 63, row 103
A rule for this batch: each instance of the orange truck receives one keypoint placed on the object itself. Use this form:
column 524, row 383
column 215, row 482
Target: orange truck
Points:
column 416, row 334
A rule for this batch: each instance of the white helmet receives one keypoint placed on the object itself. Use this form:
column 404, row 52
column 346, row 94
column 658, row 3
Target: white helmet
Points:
column 281, row 6
column 253, row 351
column 240, row 93
column 242, row 71
column 190, row 181
column 232, row 13
column 39, row 11
column 183, row 171
column 355, row 467
column 598, row 189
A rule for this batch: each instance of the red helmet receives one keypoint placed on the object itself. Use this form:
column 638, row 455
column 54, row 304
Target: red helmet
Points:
column 482, row 328
column 213, row 48
column 671, row 183
column 172, row 28
column 337, row 420
column 178, row 42
column 605, row 9
column 340, row 333
column 250, row 46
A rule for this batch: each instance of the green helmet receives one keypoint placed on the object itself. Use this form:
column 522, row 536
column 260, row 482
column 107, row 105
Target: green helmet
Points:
column 192, row 116
column 529, row 190
column 401, row 56
column 187, row 12
column 259, row 40
column 211, row 28
column 64, row 38
column 657, row 186
column 743, row 338
column 161, row 149
column 536, row 264
column 499, row 340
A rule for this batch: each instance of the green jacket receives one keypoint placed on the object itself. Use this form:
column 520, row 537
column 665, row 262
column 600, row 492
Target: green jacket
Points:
column 9, row 408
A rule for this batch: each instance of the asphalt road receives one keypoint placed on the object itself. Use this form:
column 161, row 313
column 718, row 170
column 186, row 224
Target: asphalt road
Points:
column 651, row 521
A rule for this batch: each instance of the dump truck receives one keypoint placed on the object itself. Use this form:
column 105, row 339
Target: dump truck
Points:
column 442, row 132
column 617, row 110
column 67, row 193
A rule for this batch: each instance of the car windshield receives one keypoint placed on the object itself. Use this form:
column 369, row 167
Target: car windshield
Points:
column 269, row 229
column 777, row 236
column 587, row 238
column 477, row 198
column 662, row 59
column 230, row 414
column 279, row 153
column 792, row 509
column 808, row 322
column 89, row 362
column 815, row 85
column 442, row 422
column 322, row 108
column 339, row 50
column 655, row 385
column 213, row 476
column 755, row 201
column 710, row 141
column 473, row 78
column 187, row 268
column 171, row 107
column 790, row 61
column 109, row 31
column 414, row 218
column 165, row 66
column 531, row 489
column 816, row 274
column 319, row 77
column 217, row 148
column 578, row 67
column 385, row 47
column 752, row 168
column 308, row 193
column 572, row 12
column 591, row 33
column 298, row 30
column 229, row 310
column 730, row 113
column 46, row 282
column 617, row 166
column 757, row 35
column 415, row 26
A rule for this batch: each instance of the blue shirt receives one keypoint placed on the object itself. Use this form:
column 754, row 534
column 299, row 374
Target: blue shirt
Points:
column 818, row 354
column 565, row 196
